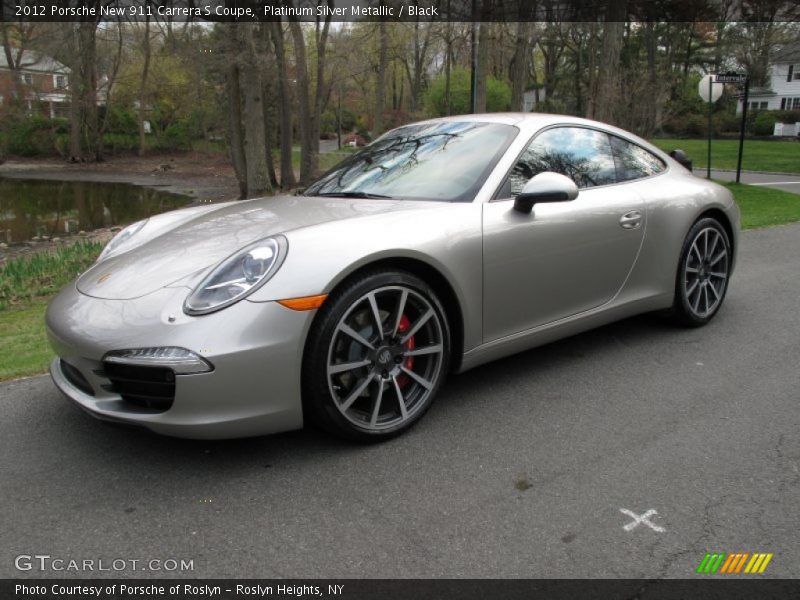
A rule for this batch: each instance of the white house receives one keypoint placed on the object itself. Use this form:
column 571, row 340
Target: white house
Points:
column 784, row 90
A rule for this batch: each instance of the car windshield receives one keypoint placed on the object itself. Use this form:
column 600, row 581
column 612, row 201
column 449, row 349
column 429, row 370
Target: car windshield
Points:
column 446, row 161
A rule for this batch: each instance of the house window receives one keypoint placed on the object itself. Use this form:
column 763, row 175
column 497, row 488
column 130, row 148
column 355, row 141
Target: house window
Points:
column 764, row 105
column 791, row 71
column 59, row 81
column 795, row 103
column 26, row 78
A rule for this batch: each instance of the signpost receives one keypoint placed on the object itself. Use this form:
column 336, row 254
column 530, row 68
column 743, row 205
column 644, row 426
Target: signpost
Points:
column 710, row 92
column 740, row 79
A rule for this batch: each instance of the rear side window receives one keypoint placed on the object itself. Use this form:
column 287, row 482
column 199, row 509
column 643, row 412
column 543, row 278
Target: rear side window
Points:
column 634, row 162
column 583, row 155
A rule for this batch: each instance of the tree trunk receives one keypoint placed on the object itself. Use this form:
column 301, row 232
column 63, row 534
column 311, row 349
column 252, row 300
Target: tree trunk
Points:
column 304, row 103
column 253, row 115
column 448, row 66
column 608, row 86
column 268, row 102
column 519, row 65
column 18, row 99
column 284, row 107
column 83, row 110
column 235, row 124
column 380, row 79
column 480, row 72
column 319, row 93
column 143, row 86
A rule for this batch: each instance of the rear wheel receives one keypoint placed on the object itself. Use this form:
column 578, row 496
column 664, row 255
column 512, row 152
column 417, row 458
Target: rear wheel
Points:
column 376, row 356
column 703, row 273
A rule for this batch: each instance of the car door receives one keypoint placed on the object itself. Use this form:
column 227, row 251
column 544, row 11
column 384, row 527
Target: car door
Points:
column 563, row 258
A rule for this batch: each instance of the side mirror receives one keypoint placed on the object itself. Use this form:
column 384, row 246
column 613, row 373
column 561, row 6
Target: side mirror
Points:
column 545, row 187
column 682, row 158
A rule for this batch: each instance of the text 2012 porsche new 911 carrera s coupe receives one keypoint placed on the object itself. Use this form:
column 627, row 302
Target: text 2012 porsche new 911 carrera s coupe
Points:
column 440, row 246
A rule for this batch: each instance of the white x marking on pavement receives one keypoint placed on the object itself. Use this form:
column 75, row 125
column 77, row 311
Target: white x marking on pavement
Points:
column 639, row 519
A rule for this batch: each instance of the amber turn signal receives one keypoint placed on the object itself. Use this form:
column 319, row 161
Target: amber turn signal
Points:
column 304, row 303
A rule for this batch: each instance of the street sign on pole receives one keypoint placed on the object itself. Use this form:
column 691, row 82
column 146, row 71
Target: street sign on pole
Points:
column 731, row 78
column 710, row 92
column 707, row 94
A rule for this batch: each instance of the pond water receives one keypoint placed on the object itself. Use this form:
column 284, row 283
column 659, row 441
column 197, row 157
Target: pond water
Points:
column 32, row 208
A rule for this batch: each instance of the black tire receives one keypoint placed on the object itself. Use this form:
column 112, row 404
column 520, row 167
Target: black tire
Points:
column 703, row 274
column 388, row 384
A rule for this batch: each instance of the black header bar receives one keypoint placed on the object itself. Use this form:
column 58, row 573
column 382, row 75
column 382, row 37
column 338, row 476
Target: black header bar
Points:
column 400, row 10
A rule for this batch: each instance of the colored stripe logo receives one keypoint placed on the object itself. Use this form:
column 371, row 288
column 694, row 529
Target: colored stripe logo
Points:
column 734, row 563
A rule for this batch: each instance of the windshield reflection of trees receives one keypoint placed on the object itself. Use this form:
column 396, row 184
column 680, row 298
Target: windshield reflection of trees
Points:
column 375, row 158
column 385, row 161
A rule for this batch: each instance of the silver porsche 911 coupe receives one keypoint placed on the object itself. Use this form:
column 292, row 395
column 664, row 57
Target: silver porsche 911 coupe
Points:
column 441, row 246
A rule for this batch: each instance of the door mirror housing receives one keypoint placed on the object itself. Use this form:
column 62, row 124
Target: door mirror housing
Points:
column 545, row 187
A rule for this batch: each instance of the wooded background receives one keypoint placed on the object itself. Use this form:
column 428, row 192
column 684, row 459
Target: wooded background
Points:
column 266, row 92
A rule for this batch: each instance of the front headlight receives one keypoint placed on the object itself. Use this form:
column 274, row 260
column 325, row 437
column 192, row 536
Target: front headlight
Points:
column 237, row 276
column 122, row 237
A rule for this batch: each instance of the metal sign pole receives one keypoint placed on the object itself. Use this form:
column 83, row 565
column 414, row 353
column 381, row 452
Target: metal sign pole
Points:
column 710, row 110
column 741, row 131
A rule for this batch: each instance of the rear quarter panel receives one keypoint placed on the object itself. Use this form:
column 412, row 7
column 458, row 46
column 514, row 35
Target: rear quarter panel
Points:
column 674, row 201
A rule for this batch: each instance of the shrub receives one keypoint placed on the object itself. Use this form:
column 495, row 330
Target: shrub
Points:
column 33, row 136
column 498, row 94
column 725, row 122
column 122, row 121
column 764, row 123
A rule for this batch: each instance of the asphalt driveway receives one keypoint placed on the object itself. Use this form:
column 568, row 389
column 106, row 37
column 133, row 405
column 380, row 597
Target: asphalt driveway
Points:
column 521, row 469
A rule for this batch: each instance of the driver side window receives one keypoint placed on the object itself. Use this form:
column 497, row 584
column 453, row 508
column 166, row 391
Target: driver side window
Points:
column 583, row 155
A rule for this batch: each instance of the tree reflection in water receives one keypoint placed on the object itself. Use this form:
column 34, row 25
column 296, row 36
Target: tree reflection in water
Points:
column 31, row 208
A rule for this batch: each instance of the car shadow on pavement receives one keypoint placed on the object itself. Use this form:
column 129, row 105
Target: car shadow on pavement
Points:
column 136, row 445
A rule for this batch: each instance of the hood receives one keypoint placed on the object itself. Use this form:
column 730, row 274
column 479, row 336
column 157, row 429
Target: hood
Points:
column 201, row 241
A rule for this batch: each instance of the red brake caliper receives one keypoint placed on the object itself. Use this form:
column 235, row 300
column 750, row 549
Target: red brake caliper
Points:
column 405, row 325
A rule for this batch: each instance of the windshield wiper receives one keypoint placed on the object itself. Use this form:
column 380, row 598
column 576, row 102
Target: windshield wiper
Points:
column 353, row 194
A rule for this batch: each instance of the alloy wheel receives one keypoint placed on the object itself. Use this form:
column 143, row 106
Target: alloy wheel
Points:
column 385, row 357
column 705, row 272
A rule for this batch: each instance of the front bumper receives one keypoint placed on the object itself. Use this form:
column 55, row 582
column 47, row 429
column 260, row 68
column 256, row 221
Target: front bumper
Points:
column 256, row 349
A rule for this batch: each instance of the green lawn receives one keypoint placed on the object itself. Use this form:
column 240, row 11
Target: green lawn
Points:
column 764, row 206
column 759, row 155
column 327, row 160
column 27, row 283
column 23, row 344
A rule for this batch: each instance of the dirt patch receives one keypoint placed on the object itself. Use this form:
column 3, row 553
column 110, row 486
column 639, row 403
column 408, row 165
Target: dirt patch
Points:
column 204, row 177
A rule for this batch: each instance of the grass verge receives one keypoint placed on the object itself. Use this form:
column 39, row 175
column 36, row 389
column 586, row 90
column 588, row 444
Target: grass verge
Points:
column 759, row 155
column 44, row 273
column 764, row 206
column 27, row 283
column 23, row 344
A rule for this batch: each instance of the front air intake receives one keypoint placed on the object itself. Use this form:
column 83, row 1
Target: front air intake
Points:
column 75, row 378
column 147, row 387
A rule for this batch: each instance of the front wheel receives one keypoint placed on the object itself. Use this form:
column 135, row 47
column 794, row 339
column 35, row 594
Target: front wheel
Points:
column 376, row 356
column 703, row 273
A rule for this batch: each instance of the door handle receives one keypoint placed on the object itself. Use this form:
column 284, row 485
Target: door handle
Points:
column 631, row 220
